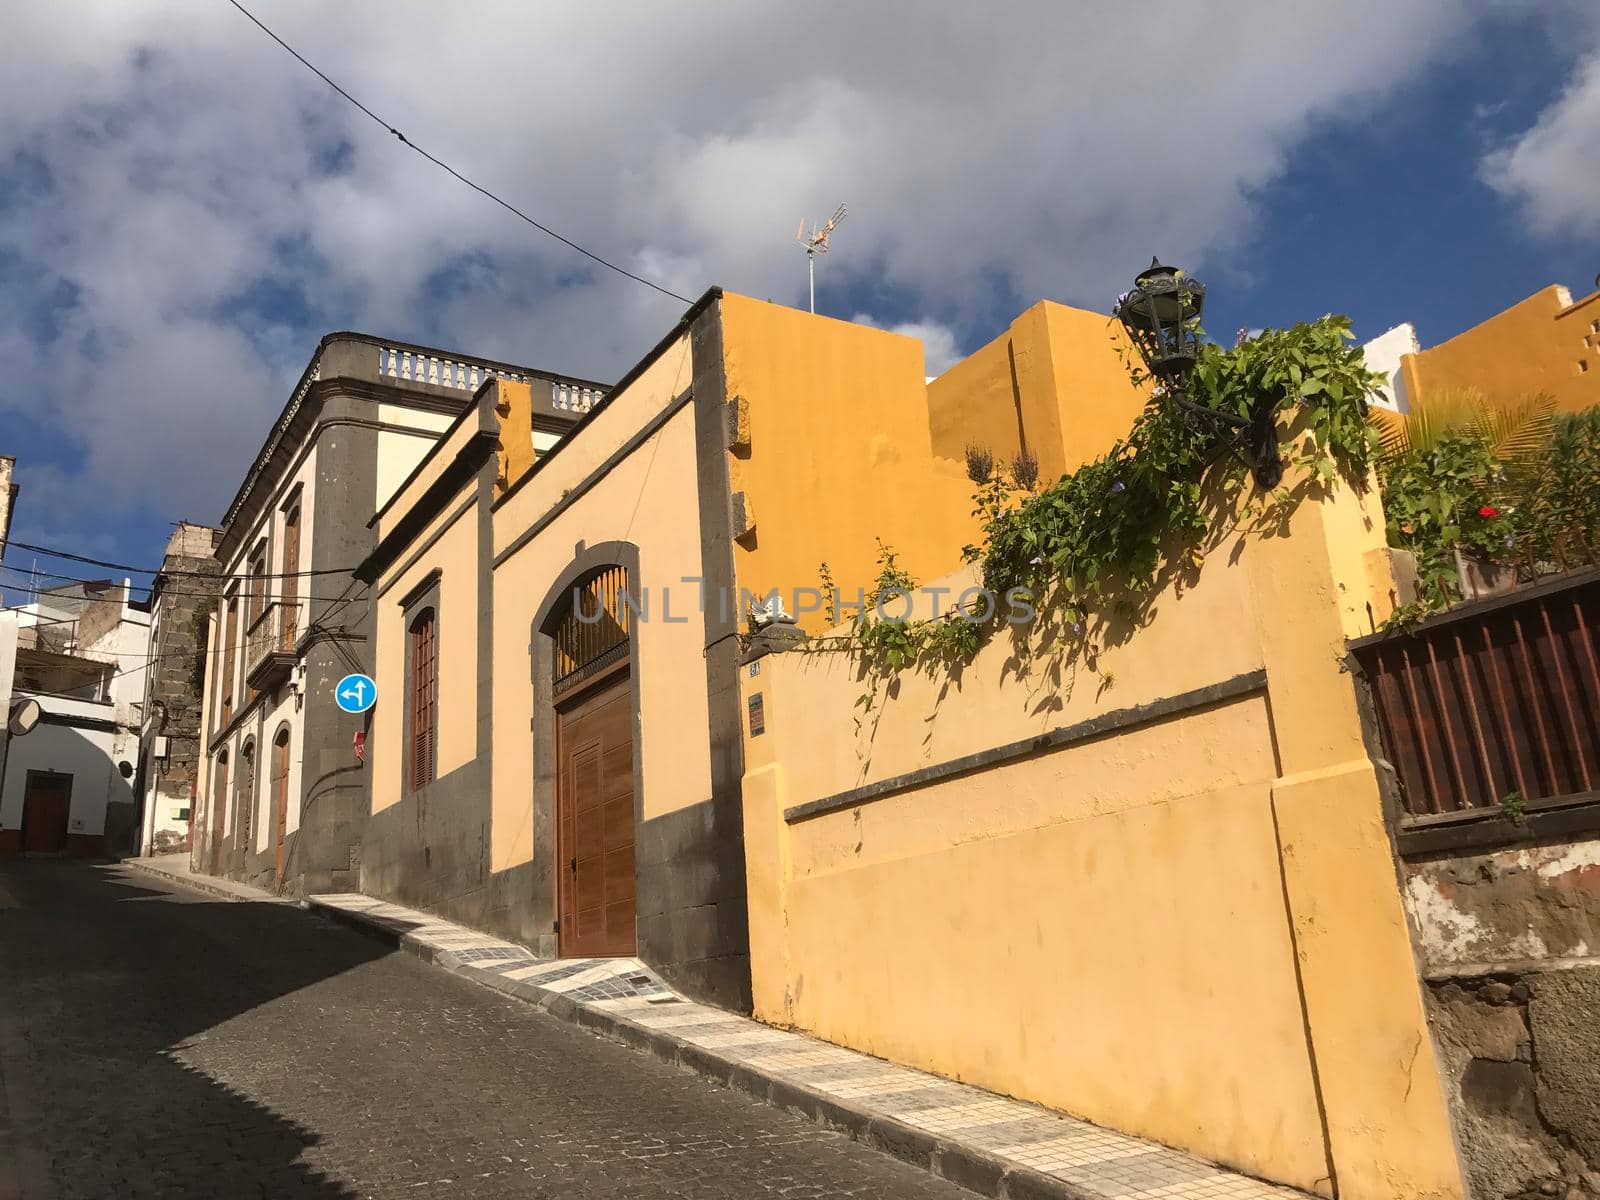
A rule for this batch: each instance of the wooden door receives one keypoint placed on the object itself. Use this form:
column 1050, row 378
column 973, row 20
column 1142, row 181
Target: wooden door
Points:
column 46, row 801
column 594, row 822
column 280, row 766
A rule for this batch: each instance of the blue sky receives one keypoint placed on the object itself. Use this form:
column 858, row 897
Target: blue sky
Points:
column 184, row 211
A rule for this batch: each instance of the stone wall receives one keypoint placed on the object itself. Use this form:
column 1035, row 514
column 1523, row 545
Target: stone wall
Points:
column 1508, row 938
column 1517, row 904
column 100, row 617
column 172, row 691
column 1519, row 1052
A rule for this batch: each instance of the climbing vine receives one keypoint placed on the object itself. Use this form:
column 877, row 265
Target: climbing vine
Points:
column 1099, row 537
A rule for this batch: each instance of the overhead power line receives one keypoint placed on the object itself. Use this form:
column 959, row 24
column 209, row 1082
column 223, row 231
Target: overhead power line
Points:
column 112, row 566
column 446, row 167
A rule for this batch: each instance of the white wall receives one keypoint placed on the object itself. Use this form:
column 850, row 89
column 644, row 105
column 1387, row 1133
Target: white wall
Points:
column 8, row 666
column 400, row 452
column 1383, row 354
column 88, row 755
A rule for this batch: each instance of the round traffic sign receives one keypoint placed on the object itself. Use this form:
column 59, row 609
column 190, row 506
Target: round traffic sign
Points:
column 355, row 693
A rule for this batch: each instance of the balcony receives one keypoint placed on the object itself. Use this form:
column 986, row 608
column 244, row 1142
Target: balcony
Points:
column 269, row 645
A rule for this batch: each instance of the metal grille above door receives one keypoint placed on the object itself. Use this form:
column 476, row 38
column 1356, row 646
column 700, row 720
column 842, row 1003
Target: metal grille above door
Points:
column 594, row 634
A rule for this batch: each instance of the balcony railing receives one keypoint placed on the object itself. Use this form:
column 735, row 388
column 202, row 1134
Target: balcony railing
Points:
column 418, row 367
column 269, row 645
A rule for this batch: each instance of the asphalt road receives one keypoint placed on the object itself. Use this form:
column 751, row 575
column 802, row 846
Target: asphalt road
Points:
column 156, row 1042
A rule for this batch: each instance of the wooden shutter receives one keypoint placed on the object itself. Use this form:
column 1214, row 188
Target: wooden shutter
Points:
column 424, row 698
column 291, row 584
column 229, row 645
column 258, row 586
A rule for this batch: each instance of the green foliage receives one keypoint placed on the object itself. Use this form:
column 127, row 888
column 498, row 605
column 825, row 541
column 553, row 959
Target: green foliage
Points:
column 1513, row 805
column 1487, row 488
column 1095, row 538
column 1513, row 432
column 1438, row 501
column 1557, row 499
column 1104, row 526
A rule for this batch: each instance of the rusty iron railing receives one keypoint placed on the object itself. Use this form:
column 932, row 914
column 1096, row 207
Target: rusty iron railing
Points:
column 1496, row 701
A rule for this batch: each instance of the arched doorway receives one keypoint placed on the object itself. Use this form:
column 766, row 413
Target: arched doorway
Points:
column 219, row 813
column 280, row 800
column 591, row 690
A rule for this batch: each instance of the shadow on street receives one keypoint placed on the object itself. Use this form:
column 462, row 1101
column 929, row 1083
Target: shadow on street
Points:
column 104, row 983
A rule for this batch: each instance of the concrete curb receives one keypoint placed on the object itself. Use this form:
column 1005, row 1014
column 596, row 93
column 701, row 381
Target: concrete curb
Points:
column 965, row 1166
column 200, row 884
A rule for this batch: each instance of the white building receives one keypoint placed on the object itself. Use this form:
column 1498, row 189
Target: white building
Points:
column 80, row 651
column 1383, row 354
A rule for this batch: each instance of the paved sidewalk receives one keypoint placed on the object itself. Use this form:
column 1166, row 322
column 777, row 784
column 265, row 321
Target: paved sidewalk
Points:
column 977, row 1139
column 174, row 868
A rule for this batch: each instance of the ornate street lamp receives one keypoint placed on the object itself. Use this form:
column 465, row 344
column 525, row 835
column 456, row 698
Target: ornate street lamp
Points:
column 1162, row 316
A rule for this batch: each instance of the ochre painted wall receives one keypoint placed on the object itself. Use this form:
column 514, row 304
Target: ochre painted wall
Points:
column 455, row 556
column 1191, row 930
column 1533, row 346
column 838, row 453
column 1053, row 380
column 649, row 499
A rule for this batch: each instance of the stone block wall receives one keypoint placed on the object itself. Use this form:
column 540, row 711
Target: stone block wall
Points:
column 173, row 688
column 1509, row 939
column 1520, row 1053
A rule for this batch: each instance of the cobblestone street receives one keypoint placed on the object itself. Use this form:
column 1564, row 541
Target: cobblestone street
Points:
column 160, row 1043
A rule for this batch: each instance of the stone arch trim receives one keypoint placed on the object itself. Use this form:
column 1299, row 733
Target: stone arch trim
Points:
column 541, row 646
column 587, row 562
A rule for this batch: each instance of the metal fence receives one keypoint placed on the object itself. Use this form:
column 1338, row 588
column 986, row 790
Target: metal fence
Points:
column 1496, row 701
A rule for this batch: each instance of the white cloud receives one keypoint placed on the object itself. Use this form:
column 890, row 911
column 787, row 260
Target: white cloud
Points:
column 158, row 163
column 940, row 351
column 1554, row 167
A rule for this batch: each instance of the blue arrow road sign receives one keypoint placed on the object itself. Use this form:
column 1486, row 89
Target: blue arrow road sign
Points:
column 356, row 693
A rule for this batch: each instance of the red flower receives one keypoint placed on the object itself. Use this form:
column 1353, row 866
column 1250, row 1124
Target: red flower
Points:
column 1488, row 510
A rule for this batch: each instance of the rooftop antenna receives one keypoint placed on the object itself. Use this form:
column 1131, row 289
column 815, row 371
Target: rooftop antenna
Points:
column 815, row 243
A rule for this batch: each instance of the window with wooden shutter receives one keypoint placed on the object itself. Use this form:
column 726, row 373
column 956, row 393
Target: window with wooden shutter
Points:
column 229, row 652
column 423, row 692
column 291, row 582
column 257, row 584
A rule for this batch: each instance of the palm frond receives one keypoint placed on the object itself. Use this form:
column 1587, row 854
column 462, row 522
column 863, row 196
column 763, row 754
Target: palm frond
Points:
column 1419, row 430
column 1516, row 432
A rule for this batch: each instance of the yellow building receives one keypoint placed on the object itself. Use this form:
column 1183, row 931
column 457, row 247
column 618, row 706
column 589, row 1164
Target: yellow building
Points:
column 577, row 784
column 1547, row 343
column 1151, row 886
column 1157, row 892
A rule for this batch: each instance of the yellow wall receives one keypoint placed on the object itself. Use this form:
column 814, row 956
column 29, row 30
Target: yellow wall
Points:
column 649, row 499
column 1533, row 346
column 1053, row 380
column 838, row 452
column 1190, row 930
column 455, row 556
column 513, row 403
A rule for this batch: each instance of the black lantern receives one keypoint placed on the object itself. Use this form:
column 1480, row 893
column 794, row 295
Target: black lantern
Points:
column 1162, row 316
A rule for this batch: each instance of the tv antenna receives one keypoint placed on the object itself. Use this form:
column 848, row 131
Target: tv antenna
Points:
column 815, row 243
